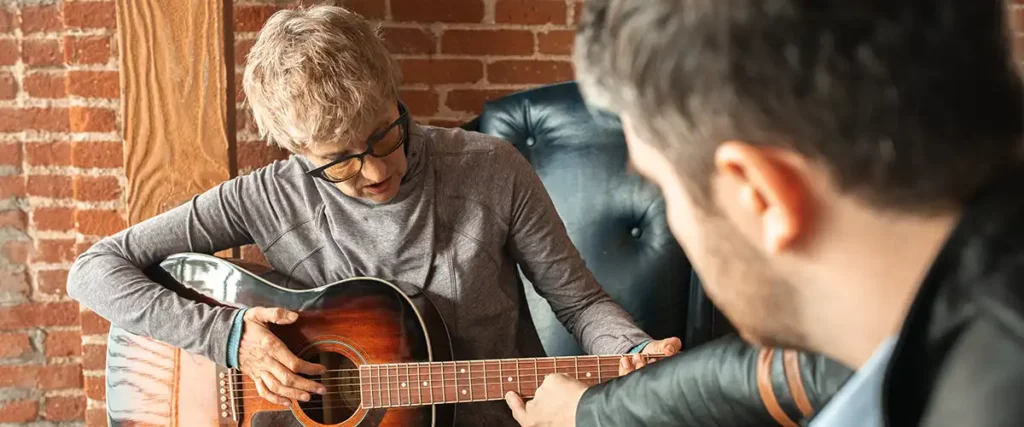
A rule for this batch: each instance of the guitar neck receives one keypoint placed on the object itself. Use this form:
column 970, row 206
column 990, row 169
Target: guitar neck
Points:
column 415, row 384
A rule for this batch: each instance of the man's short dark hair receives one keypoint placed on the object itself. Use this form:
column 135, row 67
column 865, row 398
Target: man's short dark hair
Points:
column 912, row 104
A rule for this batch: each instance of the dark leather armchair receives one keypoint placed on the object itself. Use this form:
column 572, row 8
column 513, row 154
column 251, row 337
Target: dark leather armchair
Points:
column 616, row 220
column 618, row 223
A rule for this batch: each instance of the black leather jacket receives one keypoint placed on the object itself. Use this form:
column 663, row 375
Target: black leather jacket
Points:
column 726, row 383
column 959, row 359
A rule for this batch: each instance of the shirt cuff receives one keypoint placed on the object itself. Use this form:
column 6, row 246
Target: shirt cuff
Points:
column 636, row 349
column 234, row 338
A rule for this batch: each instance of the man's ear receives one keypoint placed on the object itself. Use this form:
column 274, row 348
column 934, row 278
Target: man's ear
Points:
column 767, row 185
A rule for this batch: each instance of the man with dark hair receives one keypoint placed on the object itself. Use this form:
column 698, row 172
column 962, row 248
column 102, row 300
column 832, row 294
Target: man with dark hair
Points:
column 845, row 177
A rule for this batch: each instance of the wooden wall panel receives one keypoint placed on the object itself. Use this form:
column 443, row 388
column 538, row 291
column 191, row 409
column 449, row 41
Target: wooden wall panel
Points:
column 177, row 112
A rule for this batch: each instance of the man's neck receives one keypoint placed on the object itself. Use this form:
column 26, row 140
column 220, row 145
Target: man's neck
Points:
column 872, row 269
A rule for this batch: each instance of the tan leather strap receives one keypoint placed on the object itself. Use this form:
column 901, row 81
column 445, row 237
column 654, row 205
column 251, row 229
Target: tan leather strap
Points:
column 791, row 360
column 764, row 387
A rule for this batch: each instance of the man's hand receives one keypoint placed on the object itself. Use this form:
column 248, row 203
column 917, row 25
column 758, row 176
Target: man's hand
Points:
column 270, row 363
column 666, row 347
column 554, row 404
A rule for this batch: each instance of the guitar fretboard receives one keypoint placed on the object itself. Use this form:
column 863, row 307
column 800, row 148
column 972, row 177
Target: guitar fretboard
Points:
column 415, row 384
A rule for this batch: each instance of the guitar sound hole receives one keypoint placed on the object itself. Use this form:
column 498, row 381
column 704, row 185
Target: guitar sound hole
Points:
column 342, row 383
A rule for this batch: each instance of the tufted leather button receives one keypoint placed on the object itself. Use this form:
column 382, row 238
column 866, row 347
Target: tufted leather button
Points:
column 636, row 232
column 530, row 142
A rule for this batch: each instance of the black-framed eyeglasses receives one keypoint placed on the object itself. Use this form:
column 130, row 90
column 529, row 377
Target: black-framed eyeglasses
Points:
column 380, row 144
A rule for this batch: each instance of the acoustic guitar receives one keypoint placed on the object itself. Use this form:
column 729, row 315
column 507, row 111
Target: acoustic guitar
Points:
column 387, row 352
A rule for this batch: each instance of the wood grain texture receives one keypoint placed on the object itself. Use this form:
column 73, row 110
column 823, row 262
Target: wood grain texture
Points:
column 175, row 102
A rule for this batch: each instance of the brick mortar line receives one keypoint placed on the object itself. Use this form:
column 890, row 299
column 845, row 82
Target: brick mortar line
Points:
column 66, row 360
column 53, row 235
column 95, row 404
column 438, row 28
column 66, row 392
column 41, row 202
column 48, row 266
column 93, row 339
column 81, row 101
column 47, row 298
column 36, row 135
column 466, row 86
column 42, row 136
column 26, row 102
column 70, row 202
column 490, row 11
column 72, row 170
column 110, row 66
column 96, row 137
column 487, row 59
column 85, row 32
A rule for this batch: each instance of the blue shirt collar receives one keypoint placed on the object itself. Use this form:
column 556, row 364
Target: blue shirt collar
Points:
column 859, row 402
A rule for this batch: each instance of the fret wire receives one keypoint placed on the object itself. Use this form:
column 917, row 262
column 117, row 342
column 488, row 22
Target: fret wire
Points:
column 469, row 370
column 519, row 379
column 380, row 393
column 576, row 364
column 408, row 386
column 537, row 376
column 430, row 377
column 396, row 391
column 485, row 379
column 455, row 373
column 599, row 369
column 419, row 377
column 443, row 398
column 456, row 387
column 363, row 396
column 398, row 383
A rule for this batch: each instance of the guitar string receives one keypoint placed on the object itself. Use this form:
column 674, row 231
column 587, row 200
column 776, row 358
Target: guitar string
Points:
column 358, row 394
column 429, row 365
column 383, row 379
column 387, row 366
column 356, row 388
column 239, row 378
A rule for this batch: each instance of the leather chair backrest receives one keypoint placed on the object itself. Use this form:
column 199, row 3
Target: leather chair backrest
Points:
column 615, row 219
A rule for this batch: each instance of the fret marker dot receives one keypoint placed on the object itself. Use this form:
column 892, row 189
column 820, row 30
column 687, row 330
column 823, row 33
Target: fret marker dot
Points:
column 424, row 383
column 509, row 379
column 463, row 391
column 224, row 414
column 403, row 384
column 588, row 374
column 223, row 398
column 463, row 371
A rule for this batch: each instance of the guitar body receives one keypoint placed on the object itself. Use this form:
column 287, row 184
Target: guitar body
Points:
column 344, row 325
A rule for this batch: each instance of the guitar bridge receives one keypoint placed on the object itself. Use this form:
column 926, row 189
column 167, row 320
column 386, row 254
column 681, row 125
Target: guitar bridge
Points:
column 229, row 394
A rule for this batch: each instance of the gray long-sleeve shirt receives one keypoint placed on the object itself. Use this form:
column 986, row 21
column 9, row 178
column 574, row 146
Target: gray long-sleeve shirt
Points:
column 469, row 210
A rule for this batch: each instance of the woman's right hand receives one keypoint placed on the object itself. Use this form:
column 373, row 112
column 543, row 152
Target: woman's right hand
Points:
column 268, row 361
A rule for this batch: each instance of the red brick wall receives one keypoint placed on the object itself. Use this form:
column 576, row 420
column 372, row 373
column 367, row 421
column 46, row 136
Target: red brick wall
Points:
column 60, row 190
column 61, row 165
